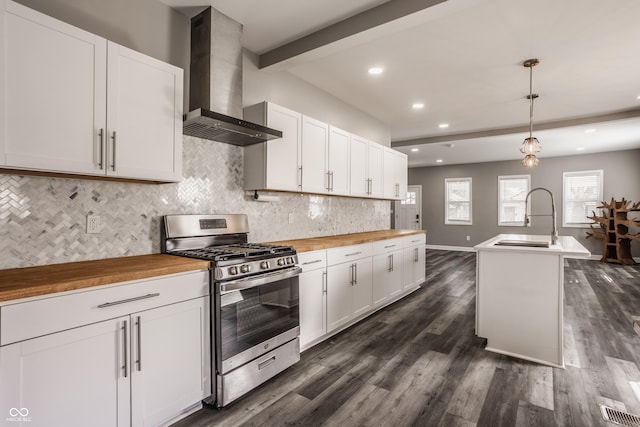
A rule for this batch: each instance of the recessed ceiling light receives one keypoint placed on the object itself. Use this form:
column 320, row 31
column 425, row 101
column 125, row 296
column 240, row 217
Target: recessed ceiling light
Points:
column 374, row 71
column 580, row 149
column 417, row 105
column 592, row 130
column 415, row 149
column 439, row 161
column 443, row 125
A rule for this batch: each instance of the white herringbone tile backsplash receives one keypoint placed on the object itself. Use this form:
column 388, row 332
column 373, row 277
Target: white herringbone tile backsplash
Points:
column 43, row 220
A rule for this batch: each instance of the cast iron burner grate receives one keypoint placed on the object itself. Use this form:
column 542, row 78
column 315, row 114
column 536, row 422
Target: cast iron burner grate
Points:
column 619, row 417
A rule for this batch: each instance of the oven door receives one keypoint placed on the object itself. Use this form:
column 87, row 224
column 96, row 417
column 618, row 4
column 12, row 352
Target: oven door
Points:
column 255, row 315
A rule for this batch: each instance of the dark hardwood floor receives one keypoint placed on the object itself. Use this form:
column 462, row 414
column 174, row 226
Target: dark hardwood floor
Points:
column 418, row 362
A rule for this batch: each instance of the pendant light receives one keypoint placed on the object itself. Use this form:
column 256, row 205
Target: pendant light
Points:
column 531, row 145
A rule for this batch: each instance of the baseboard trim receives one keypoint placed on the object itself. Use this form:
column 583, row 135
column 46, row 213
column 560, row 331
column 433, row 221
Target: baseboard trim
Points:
column 451, row 248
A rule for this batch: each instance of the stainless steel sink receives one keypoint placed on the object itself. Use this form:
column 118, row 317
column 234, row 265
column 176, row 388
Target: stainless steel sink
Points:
column 523, row 243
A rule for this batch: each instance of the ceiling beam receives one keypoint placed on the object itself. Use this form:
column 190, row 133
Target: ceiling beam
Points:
column 379, row 15
column 621, row 115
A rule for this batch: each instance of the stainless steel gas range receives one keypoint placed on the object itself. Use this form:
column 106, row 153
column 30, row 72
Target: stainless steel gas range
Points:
column 255, row 320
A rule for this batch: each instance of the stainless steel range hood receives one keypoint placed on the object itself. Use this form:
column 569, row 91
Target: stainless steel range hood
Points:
column 215, row 88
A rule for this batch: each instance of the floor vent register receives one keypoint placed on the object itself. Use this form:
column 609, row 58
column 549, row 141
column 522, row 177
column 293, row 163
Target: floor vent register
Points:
column 619, row 417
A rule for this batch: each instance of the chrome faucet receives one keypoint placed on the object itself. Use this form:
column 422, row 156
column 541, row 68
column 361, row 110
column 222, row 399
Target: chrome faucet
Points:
column 527, row 222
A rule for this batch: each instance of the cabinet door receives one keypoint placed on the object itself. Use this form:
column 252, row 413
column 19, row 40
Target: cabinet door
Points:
column 73, row 378
column 338, row 161
column 396, row 275
column 339, row 278
column 315, row 138
column 380, row 287
column 53, row 92
column 358, row 161
column 375, row 166
column 419, row 266
column 394, row 181
column 313, row 321
column 169, row 360
column 362, row 288
column 144, row 116
column 283, row 155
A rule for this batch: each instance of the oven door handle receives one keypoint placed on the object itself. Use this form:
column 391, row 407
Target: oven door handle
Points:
column 252, row 282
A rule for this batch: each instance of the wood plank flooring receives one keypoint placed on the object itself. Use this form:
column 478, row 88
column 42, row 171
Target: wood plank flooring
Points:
column 419, row 363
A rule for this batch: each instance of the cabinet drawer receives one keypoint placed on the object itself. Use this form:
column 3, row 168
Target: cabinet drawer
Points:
column 312, row 260
column 348, row 253
column 31, row 319
column 388, row 245
column 415, row 239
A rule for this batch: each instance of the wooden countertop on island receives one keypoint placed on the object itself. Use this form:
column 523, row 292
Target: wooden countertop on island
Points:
column 17, row 283
column 328, row 242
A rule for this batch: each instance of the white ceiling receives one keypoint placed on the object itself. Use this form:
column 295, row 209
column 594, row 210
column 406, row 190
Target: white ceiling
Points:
column 463, row 60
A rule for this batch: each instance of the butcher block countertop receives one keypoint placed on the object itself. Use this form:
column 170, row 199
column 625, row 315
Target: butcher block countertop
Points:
column 328, row 242
column 27, row 282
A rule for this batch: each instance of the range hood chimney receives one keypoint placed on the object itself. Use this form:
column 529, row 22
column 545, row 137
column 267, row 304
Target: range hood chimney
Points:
column 215, row 91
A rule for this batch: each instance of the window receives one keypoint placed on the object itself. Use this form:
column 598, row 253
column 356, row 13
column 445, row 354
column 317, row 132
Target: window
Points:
column 457, row 201
column 581, row 195
column 512, row 191
column 410, row 200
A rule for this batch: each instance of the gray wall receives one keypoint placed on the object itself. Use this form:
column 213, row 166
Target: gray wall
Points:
column 621, row 179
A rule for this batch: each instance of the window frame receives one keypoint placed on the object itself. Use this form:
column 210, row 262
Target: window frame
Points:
column 501, row 201
column 449, row 221
column 597, row 172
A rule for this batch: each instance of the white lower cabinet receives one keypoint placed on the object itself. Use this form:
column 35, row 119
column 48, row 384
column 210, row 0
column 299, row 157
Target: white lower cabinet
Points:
column 313, row 296
column 71, row 378
column 340, row 286
column 146, row 368
column 349, row 285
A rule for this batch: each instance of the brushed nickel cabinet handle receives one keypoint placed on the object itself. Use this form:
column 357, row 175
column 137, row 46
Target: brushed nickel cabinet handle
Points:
column 355, row 274
column 123, row 301
column 328, row 174
column 390, row 267
column 139, row 327
column 126, row 346
column 101, row 161
column 416, row 256
column 315, row 261
column 113, row 152
column 331, row 176
column 300, row 176
column 324, row 282
column 353, row 253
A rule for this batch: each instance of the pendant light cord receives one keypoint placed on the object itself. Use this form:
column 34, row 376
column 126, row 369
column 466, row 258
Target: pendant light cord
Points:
column 530, row 102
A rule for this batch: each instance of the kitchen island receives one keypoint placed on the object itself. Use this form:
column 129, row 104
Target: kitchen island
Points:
column 519, row 295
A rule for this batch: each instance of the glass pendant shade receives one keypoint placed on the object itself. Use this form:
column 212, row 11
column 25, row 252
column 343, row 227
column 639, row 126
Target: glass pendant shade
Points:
column 530, row 146
column 530, row 161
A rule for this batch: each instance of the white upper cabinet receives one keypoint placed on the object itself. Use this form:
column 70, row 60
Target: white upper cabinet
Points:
column 395, row 174
column 315, row 142
column 366, row 163
column 66, row 91
column 274, row 165
column 314, row 157
column 144, row 116
column 338, row 161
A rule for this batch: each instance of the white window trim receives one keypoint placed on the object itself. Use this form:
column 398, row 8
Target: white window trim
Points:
column 448, row 221
column 587, row 222
column 501, row 177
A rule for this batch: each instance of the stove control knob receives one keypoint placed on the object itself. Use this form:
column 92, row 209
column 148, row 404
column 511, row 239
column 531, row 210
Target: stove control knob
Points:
column 289, row 260
column 281, row 261
column 233, row 270
column 245, row 268
column 264, row 265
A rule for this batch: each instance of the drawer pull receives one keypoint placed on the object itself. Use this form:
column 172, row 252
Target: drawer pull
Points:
column 354, row 253
column 266, row 363
column 125, row 367
column 123, row 301
column 390, row 246
column 312, row 262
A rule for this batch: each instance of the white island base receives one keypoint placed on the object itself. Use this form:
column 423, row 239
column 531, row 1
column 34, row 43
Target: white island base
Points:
column 519, row 296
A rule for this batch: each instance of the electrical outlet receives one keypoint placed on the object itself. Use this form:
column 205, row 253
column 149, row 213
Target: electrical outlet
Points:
column 290, row 218
column 93, row 224
column 468, row 238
